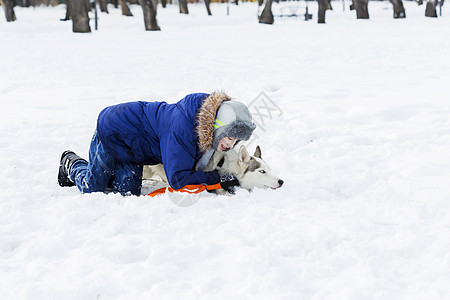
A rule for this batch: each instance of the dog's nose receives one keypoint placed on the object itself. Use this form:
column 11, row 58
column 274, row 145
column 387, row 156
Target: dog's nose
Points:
column 280, row 182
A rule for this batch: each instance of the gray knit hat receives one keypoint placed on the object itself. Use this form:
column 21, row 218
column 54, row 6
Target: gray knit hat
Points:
column 233, row 119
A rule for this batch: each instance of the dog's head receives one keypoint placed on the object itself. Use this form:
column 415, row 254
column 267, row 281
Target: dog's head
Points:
column 256, row 172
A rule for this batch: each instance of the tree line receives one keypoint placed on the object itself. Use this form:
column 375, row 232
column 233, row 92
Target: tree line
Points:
column 360, row 6
column 77, row 10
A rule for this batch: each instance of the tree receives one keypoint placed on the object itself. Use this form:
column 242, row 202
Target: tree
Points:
column 183, row 7
column 399, row 10
column 324, row 5
column 361, row 7
column 125, row 9
column 68, row 9
column 267, row 15
column 207, row 2
column 79, row 10
column 24, row 3
column 8, row 7
column 149, row 8
column 103, row 6
column 430, row 9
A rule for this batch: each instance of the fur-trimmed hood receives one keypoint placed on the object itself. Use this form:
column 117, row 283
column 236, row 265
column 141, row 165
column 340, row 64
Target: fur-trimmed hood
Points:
column 206, row 116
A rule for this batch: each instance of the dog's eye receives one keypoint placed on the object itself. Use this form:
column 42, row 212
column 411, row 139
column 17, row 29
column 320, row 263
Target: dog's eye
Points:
column 262, row 171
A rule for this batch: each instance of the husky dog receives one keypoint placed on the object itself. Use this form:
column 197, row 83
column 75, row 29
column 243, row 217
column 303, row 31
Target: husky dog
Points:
column 251, row 171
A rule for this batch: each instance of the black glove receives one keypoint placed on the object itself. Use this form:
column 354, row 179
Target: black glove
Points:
column 228, row 182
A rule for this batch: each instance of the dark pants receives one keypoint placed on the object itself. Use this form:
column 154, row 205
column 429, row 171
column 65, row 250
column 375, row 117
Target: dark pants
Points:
column 104, row 172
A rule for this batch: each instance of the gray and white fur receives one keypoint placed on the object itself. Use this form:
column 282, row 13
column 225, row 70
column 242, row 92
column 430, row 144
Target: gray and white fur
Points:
column 251, row 170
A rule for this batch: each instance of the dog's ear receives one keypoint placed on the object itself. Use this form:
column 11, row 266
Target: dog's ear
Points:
column 244, row 157
column 257, row 152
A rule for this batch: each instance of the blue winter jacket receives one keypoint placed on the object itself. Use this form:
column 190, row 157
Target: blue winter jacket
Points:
column 157, row 132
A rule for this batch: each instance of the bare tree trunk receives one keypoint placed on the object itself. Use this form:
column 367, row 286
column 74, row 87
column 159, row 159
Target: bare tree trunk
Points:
column 399, row 10
column 8, row 7
column 103, row 6
column 207, row 3
column 260, row 2
column 125, row 9
column 68, row 10
column 164, row 3
column 79, row 14
column 430, row 10
column 267, row 15
column 361, row 7
column 35, row 3
column 183, row 7
column 324, row 5
column 149, row 8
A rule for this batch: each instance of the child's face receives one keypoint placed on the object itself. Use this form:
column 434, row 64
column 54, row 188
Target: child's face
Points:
column 226, row 143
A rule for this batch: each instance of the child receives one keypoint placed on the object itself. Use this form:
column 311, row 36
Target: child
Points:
column 181, row 136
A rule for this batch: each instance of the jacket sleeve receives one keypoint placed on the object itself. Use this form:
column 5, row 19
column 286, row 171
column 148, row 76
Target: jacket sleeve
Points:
column 178, row 157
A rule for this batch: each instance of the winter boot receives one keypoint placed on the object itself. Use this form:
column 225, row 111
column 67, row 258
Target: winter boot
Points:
column 68, row 158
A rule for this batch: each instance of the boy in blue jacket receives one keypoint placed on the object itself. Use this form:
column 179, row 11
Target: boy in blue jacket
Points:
column 181, row 136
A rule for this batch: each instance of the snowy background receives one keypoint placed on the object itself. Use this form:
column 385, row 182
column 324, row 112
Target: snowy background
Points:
column 362, row 143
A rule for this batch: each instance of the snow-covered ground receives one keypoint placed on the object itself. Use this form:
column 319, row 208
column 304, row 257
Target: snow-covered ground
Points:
column 362, row 142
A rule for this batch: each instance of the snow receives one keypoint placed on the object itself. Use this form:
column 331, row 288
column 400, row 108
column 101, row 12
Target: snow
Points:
column 362, row 144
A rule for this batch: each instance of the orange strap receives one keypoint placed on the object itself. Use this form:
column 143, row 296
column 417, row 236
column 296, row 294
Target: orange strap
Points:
column 191, row 189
